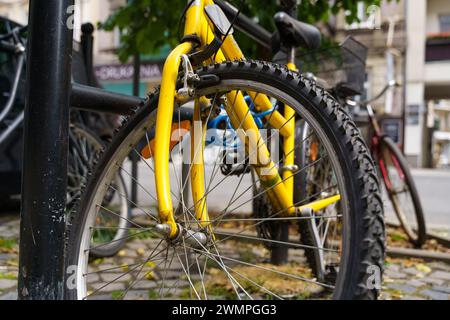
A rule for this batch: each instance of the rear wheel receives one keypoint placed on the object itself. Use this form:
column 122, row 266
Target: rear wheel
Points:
column 402, row 191
column 235, row 262
column 111, row 226
column 315, row 183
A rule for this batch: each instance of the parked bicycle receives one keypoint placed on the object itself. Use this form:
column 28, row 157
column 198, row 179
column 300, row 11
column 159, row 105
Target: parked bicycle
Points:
column 396, row 175
column 210, row 248
column 88, row 131
column 342, row 70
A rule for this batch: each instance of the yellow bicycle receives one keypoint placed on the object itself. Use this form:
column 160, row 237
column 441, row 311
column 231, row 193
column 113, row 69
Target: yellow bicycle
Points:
column 244, row 175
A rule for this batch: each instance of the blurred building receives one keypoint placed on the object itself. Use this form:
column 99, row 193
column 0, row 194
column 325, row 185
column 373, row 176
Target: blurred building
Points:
column 422, row 40
column 16, row 10
column 113, row 74
column 417, row 114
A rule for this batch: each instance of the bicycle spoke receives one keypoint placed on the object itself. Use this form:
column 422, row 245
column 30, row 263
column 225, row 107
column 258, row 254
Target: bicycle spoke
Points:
column 119, row 277
column 269, row 269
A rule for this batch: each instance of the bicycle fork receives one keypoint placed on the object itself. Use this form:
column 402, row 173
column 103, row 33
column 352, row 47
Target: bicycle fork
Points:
column 278, row 190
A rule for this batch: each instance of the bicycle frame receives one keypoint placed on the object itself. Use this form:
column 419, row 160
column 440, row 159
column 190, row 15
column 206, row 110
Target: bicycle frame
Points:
column 279, row 188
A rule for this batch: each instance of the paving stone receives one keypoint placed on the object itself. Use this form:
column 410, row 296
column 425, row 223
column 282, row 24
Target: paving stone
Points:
column 175, row 283
column 135, row 245
column 9, row 296
column 7, row 256
column 174, row 292
column 129, row 261
column 13, row 224
column 113, row 277
column 440, row 275
column 411, row 271
column 151, row 244
column 442, row 289
column 100, row 297
column 402, row 287
column 115, row 286
column 136, row 295
column 93, row 277
column 106, row 265
column 7, row 284
column 395, row 274
column 145, row 284
column 393, row 267
column 432, row 281
column 385, row 296
column 9, row 234
column 412, row 298
column 404, row 280
column 169, row 274
column 435, row 295
column 132, row 254
column 415, row 283
column 439, row 266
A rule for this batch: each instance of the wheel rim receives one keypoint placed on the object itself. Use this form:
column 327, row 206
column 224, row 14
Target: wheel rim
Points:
column 84, row 148
column 214, row 255
column 399, row 193
column 111, row 223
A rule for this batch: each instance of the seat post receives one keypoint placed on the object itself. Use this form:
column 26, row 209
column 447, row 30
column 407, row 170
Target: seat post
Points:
column 291, row 8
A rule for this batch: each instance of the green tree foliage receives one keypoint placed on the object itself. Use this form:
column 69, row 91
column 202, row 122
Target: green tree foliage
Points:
column 146, row 25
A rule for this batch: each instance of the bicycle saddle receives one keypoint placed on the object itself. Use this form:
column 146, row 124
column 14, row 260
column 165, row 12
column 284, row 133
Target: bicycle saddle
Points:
column 294, row 33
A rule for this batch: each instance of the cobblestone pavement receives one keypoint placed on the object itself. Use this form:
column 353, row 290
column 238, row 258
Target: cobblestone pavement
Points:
column 404, row 279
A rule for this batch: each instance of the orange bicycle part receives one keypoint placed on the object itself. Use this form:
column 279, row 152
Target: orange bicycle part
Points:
column 178, row 131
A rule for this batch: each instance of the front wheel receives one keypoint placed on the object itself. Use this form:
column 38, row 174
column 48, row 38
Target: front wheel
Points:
column 235, row 263
column 402, row 191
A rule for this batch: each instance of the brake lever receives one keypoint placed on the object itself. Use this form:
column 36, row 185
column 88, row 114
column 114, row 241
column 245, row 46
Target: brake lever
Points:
column 391, row 84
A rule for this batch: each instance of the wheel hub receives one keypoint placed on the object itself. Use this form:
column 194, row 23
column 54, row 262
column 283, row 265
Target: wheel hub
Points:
column 192, row 238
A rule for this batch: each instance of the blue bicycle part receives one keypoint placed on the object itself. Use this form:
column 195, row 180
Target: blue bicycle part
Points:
column 225, row 120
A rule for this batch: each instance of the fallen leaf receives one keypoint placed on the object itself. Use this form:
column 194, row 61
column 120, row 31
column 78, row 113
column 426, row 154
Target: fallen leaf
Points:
column 423, row 268
column 150, row 275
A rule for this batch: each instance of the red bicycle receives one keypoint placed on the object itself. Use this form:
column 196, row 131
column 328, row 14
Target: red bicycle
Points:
column 396, row 175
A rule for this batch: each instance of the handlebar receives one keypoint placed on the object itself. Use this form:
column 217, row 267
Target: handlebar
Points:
column 391, row 84
column 15, row 45
column 11, row 47
column 246, row 24
column 14, row 32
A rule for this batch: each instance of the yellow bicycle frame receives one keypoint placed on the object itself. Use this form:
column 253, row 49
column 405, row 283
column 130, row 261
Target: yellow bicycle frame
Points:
column 280, row 189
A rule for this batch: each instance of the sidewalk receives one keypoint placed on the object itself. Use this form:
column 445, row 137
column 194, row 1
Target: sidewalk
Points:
column 404, row 279
column 434, row 190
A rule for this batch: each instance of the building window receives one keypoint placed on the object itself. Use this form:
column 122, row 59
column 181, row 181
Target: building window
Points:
column 444, row 23
column 413, row 116
column 369, row 17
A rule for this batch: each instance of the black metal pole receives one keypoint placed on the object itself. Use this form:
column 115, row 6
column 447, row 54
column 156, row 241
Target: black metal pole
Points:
column 87, row 45
column 41, row 270
column 279, row 254
column 134, row 157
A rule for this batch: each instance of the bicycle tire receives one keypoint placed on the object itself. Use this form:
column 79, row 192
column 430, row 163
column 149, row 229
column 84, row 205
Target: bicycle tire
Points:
column 388, row 147
column 363, row 246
